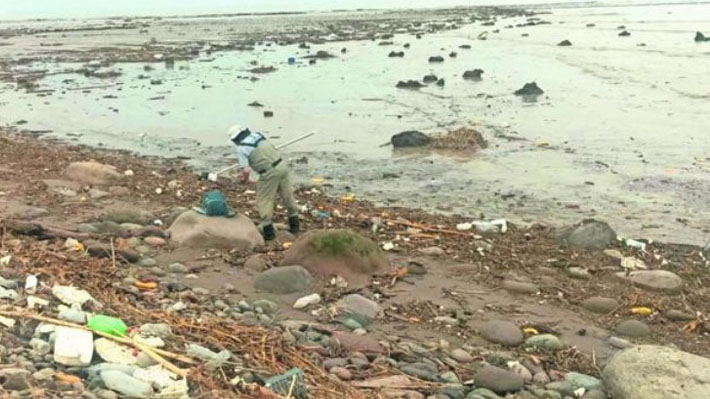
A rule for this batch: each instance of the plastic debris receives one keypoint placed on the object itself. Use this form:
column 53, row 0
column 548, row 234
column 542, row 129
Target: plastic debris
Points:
column 388, row 246
column 8, row 294
column 632, row 263
column 464, row 226
column 108, row 325
column 5, row 260
column 635, row 244
column 31, row 283
column 168, row 384
column 33, row 302
column 128, row 173
column 72, row 296
column 73, row 347
column 530, row 330
column 291, row 382
column 641, row 311
column 7, row 322
column 72, row 315
column 307, row 301
column 112, row 352
column 126, row 385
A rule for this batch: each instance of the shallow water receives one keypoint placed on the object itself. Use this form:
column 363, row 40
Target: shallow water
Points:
column 620, row 133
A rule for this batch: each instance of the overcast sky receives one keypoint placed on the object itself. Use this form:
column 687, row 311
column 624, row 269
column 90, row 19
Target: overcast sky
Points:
column 13, row 9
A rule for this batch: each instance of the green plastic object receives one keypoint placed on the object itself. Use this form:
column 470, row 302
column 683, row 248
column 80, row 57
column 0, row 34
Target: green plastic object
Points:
column 108, row 325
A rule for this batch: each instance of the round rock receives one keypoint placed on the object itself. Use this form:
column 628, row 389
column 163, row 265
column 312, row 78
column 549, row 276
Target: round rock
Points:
column 520, row 287
column 498, row 380
column 598, row 304
column 657, row 280
column 546, row 342
column 501, row 332
column 283, row 280
column 633, row 329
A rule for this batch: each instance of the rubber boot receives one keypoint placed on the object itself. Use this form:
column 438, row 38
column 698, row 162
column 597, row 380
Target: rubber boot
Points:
column 294, row 225
column 269, row 232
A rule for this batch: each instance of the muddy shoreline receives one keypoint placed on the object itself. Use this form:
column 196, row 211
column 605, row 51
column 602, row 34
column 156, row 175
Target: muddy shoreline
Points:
column 470, row 280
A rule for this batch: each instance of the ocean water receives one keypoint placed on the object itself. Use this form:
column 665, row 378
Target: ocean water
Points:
column 620, row 134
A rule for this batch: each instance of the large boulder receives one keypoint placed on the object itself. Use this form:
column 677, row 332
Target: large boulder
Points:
column 699, row 37
column 410, row 138
column 92, row 173
column 194, row 230
column 657, row 372
column 337, row 252
column 529, row 89
column 590, row 234
column 283, row 280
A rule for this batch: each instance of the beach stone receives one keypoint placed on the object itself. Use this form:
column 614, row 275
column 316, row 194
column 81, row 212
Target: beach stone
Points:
column 619, row 343
column 520, row 287
column 529, row 89
column 583, row 381
column 177, row 268
column 482, row 393
column 678, row 315
column 123, row 214
column 522, row 371
column 410, row 138
column 119, row 191
column 356, row 303
column 633, row 329
column 357, row 343
column 194, row 230
column 579, row 273
column 147, row 262
column 501, row 332
column 657, row 280
column 564, row 388
column 656, row 372
column 449, row 377
column 15, row 379
column 594, row 394
column 424, row 371
column 155, row 241
column 453, row 391
column 432, row 251
column 498, row 380
column 461, row 356
column 601, row 305
column 541, row 378
column 590, row 234
column 545, row 342
column 335, row 362
column 342, row 373
column 473, row 74
column 256, row 263
column 283, row 280
column 344, row 253
column 126, row 385
column 92, row 173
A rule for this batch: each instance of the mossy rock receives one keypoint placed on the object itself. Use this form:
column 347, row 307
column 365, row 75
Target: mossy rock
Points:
column 327, row 253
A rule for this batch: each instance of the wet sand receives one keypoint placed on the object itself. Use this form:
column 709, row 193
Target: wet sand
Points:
column 619, row 133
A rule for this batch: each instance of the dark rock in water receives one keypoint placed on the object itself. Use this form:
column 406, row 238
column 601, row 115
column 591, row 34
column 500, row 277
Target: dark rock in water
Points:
column 625, row 33
column 620, row 27
column 440, row 82
column 321, row 54
column 436, row 58
column 591, row 25
column 156, row 82
column 410, row 138
column 304, row 46
column 489, row 23
column 564, row 43
column 525, row 35
column 268, row 114
column 343, row 50
column 419, row 36
column 387, row 43
column 407, row 45
column 699, row 37
column 312, row 61
column 530, row 89
column 474, row 74
column 465, row 46
column 409, row 84
column 255, row 104
column 394, row 54
column 430, row 79
column 453, row 54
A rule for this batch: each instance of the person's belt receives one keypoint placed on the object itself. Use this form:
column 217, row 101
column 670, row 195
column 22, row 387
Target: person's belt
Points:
column 273, row 165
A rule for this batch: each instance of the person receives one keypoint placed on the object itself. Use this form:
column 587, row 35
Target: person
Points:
column 255, row 153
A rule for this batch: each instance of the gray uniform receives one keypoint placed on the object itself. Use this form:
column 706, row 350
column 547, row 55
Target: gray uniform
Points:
column 274, row 178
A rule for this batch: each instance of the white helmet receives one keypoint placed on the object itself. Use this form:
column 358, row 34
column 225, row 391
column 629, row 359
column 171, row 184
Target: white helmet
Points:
column 234, row 131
